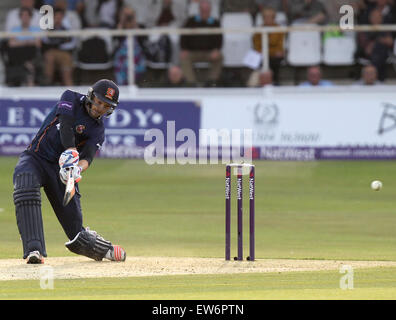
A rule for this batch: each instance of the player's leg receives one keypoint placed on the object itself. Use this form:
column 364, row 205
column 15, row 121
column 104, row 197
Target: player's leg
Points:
column 27, row 178
column 82, row 241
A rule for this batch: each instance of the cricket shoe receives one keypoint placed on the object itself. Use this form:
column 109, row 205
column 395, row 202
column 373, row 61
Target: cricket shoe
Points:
column 35, row 257
column 116, row 253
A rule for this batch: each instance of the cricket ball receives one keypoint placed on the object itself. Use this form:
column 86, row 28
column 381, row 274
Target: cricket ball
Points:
column 376, row 185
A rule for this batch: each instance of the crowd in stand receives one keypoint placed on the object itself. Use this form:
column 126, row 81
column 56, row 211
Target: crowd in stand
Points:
column 32, row 61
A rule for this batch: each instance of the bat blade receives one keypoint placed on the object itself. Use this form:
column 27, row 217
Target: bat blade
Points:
column 70, row 189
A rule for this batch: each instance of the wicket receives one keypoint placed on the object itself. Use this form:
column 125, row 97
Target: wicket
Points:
column 239, row 179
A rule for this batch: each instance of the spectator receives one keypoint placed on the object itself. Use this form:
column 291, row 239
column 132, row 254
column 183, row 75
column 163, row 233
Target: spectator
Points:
column 175, row 78
column 193, row 8
column 314, row 78
column 369, row 76
column 141, row 9
column 174, row 12
column 202, row 48
column 128, row 21
column 386, row 7
column 376, row 46
column 58, row 52
column 71, row 17
column 260, row 79
column 307, row 12
column 249, row 6
column 13, row 17
column 75, row 10
column 276, row 43
column 23, row 52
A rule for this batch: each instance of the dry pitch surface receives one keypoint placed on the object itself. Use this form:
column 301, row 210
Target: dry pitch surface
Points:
column 81, row 267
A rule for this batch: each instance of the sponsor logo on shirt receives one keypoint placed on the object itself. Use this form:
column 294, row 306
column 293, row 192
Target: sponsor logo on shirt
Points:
column 80, row 128
column 65, row 105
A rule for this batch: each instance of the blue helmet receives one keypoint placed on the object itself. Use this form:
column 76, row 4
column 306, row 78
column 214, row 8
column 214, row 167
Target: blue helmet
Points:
column 106, row 91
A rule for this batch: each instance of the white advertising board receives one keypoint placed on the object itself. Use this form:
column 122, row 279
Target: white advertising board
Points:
column 307, row 120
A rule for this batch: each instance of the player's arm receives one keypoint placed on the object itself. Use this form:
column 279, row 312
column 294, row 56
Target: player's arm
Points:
column 90, row 147
column 88, row 152
column 66, row 123
column 65, row 113
column 69, row 157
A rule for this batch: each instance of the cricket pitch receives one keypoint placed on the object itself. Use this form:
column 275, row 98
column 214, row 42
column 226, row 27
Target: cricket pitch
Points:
column 81, row 267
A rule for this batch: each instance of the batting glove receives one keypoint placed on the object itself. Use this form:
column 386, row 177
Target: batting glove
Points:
column 76, row 173
column 68, row 158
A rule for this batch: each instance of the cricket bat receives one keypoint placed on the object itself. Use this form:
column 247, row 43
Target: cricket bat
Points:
column 70, row 189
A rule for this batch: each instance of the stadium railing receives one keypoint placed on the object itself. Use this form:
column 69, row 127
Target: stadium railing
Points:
column 130, row 33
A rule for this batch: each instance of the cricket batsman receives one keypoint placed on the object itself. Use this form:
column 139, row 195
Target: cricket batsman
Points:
column 63, row 149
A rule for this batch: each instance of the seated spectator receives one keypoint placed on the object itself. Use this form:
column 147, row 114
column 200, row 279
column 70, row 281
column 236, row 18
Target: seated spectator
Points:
column 376, row 46
column 275, row 43
column 13, row 17
column 386, row 7
column 175, row 78
column 314, row 78
column 58, row 52
column 22, row 52
column 193, row 8
column 202, row 48
column 307, row 12
column 369, row 76
column 141, row 10
column 249, row 6
column 128, row 21
column 260, row 79
column 71, row 17
column 172, row 11
column 72, row 5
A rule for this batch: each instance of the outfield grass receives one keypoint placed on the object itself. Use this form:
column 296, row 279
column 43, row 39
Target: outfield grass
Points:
column 304, row 210
column 369, row 284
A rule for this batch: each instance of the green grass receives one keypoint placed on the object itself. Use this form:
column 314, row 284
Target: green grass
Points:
column 369, row 284
column 304, row 210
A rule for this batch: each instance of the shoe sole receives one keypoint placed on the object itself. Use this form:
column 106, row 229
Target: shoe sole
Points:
column 35, row 260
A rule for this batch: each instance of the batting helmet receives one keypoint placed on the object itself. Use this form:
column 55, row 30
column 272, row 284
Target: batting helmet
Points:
column 106, row 91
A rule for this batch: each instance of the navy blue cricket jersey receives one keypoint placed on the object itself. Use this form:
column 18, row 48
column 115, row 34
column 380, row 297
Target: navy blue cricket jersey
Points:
column 88, row 132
